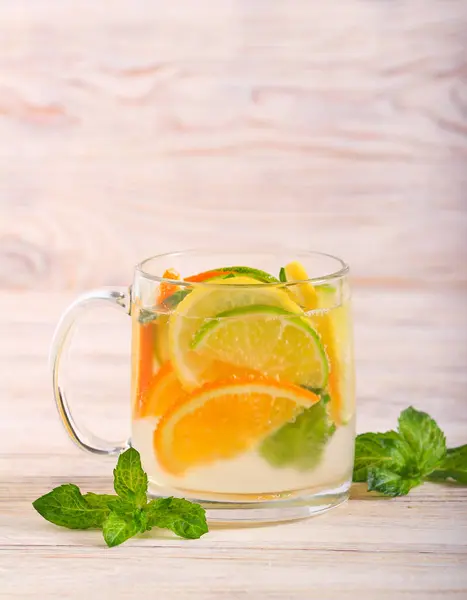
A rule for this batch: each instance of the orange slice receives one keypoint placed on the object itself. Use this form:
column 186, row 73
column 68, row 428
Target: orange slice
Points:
column 162, row 392
column 142, row 357
column 206, row 275
column 224, row 419
column 167, row 289
column 257, row 274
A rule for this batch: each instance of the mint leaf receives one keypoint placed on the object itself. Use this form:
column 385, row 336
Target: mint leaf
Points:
column 118, row 528
column 174, row 299
column 282, row 275
column 186, row 519
column 130, row 481
column 389, row 483
column 299, row 444
column 426, row 440
column 379, row 450
column 111, row 502
column 102, row 501
column 454, row 466
column 67, row 507
column 146, row 316
column 123, row 507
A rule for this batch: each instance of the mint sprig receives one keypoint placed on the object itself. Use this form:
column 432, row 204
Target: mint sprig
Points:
column 394, row 462
column 125, row 514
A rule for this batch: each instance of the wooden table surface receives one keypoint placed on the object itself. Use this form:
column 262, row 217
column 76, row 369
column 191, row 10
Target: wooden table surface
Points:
column 131, row 128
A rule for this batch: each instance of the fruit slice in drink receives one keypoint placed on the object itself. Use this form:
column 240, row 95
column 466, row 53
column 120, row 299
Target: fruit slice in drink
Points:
column 257, row 274
column 305, row 293
column 191, row 365
column 224, row 419
column 268, row 339
column 334, row 329
column 162, row 391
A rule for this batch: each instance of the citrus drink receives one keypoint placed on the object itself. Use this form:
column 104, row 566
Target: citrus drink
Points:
column 243, row 385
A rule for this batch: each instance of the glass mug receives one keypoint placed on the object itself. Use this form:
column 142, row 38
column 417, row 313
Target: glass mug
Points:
column 242, row 380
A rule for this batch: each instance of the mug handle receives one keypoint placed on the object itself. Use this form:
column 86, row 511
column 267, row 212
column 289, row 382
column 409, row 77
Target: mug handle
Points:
column 84, row 440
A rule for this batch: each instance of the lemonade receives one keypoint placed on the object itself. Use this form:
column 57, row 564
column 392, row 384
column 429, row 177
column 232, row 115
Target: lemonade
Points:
column 243, row 385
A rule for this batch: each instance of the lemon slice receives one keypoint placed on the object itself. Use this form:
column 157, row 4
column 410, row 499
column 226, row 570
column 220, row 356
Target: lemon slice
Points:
column 334, row 327
column 224, row 419
column 190, row 365
column 267, row 339
column 305, row 293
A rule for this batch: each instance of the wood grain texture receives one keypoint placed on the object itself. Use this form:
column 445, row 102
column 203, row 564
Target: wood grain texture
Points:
column 136, row 130
column 130, row 128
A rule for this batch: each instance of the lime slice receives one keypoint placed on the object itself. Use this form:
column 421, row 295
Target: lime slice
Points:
column 206, row 302
column 268, row 339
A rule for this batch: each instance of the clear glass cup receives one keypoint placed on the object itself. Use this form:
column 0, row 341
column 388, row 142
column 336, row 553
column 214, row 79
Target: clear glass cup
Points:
column 243, row 381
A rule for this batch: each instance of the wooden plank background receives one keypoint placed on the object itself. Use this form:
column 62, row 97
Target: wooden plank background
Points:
column 128, row 128
column 135, row 129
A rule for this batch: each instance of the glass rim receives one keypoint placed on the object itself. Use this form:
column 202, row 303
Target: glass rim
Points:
column 341, row 272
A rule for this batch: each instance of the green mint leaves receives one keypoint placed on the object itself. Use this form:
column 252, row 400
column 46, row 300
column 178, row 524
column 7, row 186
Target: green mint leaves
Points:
column 184, row 518
column 146, row 316
column 426, row 440
column 389, row 483
column 377, row 451
column 67, row 507
column 130, row 481
column 299, row 444
column 394, row 462
column 126, row 514
column 454, row 466
column 119, row 528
